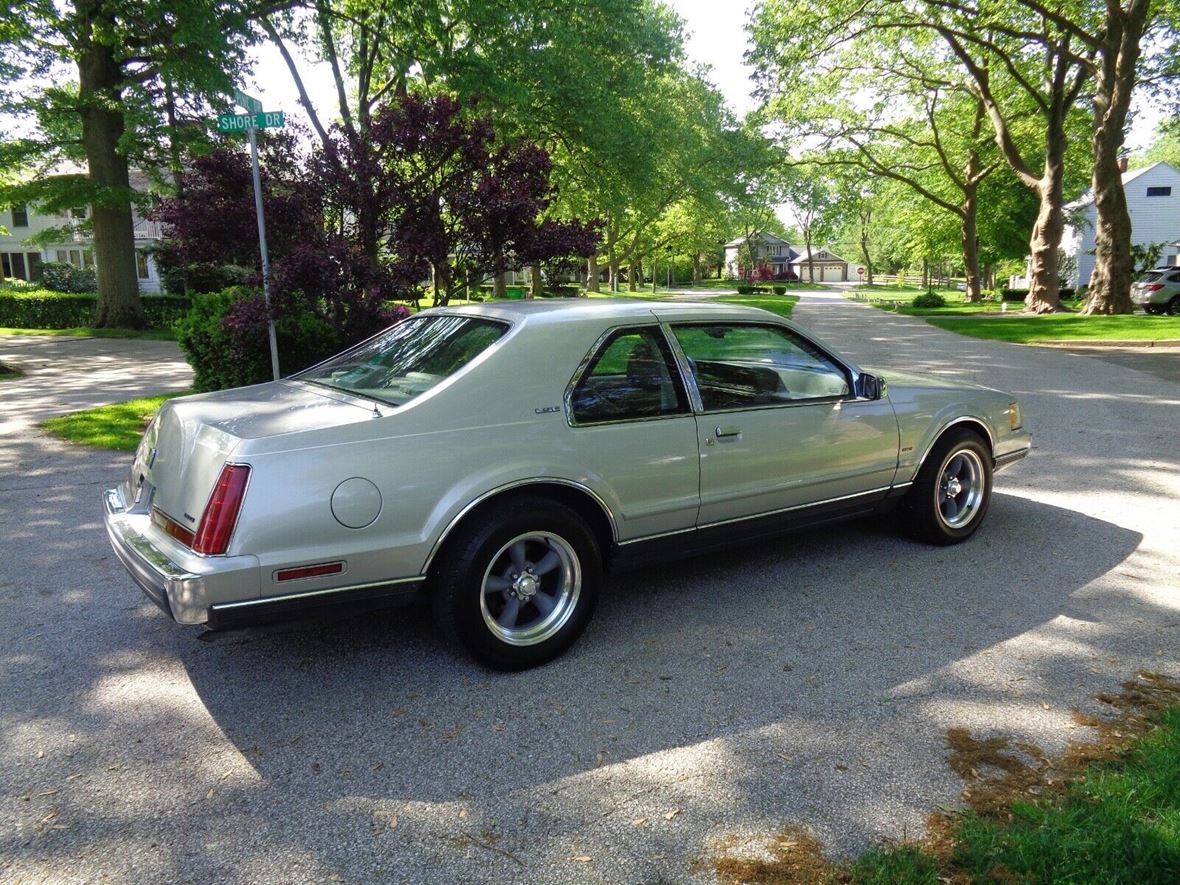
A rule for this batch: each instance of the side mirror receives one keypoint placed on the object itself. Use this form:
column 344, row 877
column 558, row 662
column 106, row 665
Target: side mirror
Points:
column 870, row 387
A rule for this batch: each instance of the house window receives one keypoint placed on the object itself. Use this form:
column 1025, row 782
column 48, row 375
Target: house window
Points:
column 87, row 258
column 80, row 212
column 20, row 217
column 141, row 266
column 60, row 256
column 1159, row 191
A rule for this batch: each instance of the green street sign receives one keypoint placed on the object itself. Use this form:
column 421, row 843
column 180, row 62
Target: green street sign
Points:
column 249, row 102
column 245, row 122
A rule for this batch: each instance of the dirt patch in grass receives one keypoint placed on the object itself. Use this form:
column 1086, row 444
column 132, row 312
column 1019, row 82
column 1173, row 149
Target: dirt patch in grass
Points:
column 1001, row 777
column 794, row 855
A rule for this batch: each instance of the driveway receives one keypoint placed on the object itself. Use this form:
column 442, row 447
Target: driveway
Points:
column 810, row 682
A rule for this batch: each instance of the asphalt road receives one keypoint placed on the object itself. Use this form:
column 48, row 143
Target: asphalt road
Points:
column 809, row 683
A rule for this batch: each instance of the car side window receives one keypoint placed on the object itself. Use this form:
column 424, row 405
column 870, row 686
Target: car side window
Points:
column 630, row 377
column 740, row 366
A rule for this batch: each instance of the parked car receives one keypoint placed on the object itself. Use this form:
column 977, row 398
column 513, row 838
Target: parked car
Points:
column 1158, row 291
column 505, row 456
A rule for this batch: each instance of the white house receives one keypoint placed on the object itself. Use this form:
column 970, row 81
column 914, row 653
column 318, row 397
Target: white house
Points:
column 1153, row 202
column 22, row 260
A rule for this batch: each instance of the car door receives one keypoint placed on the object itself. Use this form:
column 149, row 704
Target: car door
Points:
column 778, row 424
column 632, row 429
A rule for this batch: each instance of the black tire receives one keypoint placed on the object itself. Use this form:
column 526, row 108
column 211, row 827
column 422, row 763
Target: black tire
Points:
column 507, row 627
column 950, row 497
column 1154, row 309
column 1174, row 306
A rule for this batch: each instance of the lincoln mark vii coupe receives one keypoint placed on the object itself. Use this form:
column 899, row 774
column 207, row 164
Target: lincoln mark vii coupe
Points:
column 503, row 457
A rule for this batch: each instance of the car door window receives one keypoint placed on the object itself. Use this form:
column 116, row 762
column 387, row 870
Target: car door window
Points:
column 739, row 366
column 630, row 377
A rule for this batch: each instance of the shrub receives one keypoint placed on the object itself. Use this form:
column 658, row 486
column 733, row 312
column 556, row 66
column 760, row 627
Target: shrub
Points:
column 744, row 289
column 224, row 337
column 928, row 299
column 58, row 276
column 788, row 276
column 42, row 309
column 780, row 290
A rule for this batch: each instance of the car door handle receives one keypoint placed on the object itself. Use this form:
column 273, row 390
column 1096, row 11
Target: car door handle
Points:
column 723, row 432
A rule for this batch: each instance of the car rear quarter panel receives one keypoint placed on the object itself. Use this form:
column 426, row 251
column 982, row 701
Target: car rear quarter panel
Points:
column 492, row 429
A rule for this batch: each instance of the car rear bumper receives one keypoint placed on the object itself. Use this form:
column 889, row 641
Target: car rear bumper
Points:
column 184, row 586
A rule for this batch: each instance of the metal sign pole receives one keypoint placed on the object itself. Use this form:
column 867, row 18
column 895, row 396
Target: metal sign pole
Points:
column 270, row 323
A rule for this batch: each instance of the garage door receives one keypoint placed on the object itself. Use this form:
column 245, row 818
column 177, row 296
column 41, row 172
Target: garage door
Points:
column 833, row 273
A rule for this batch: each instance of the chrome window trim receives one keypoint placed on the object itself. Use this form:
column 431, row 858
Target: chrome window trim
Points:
column 516, row 484
column 567, row 397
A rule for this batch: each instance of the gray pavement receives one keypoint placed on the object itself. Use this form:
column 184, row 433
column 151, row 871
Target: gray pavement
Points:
column 809, row 682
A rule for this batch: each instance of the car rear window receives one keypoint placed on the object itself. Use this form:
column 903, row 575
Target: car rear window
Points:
column 408, row 359
column 1150, row 277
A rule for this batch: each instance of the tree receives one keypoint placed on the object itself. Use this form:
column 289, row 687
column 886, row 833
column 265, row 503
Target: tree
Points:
column 131, row 61
column 1005, row 50
column 813, row 201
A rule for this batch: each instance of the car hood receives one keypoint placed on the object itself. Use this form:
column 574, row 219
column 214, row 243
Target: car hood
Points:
column 192, row 438
column 897, row 380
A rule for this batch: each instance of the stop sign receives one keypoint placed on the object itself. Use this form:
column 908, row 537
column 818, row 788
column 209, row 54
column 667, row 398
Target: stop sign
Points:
column 861, row 271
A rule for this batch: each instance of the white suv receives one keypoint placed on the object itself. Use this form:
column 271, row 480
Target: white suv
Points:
column 1158, row 291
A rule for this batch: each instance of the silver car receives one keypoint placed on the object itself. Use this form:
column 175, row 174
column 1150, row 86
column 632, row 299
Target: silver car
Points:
column 1158, row 291
column 504, row 457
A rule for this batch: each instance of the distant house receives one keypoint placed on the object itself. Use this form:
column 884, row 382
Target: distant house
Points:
column 21, row 260
column 768, row 251
column 826, row 264
column 783, row 259
column 1153, row 202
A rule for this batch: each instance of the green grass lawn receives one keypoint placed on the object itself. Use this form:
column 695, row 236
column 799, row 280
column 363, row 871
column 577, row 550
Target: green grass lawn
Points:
column 1062, row 327
column 117, row 426
column 91, row 332
column 1119, row 822
column 897, row 299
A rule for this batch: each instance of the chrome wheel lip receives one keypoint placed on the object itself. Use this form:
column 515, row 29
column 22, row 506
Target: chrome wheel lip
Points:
column 961, row 479
column 563, row 583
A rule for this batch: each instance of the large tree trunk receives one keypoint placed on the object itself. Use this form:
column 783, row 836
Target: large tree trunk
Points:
column 592, row 281
column 633, row 277
column 696, row 268
column 100, row 80
column 969, row 239
column 613, row 273
column 1043, row 295
column 1109, row 289
column 535, row 281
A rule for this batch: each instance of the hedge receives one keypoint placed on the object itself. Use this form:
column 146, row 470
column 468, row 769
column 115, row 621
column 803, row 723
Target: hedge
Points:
column 42, row 309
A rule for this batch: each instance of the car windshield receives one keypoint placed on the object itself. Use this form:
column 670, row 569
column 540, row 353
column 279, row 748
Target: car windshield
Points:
column 408, row 359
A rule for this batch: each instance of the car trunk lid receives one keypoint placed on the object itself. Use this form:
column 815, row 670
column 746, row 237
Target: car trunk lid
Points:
column 183, row 452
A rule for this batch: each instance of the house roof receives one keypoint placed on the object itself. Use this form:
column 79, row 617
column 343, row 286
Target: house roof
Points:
column 1088, row 197
column 761, row 235
column 804, row 251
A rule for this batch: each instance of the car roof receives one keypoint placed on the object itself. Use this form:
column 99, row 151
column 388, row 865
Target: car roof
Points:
column 545, row 310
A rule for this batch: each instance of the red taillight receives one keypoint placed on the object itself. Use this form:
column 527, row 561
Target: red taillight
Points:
column 1155, row 287
column 221, row 513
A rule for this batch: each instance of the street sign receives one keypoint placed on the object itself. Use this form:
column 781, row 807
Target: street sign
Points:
column 244, row 122
column 249, row 102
